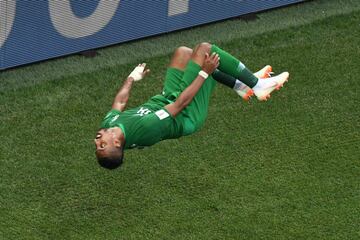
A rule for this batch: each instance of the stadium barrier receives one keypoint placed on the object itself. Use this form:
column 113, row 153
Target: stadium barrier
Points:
column 32, row 31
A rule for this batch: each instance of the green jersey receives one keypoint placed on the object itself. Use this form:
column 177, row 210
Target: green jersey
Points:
column 145, row 125
column 151, row 123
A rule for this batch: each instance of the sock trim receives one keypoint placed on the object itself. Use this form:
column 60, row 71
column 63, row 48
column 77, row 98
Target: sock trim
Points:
column 240, row 67
column 237, row 85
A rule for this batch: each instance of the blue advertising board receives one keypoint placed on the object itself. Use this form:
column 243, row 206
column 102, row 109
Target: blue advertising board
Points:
column 32, row 31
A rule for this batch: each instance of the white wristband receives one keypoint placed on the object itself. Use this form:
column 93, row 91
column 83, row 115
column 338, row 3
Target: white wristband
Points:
column 203, row 74
column 137, row 73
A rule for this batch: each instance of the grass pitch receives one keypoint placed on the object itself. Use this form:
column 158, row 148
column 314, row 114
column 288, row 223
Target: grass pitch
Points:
column 285, row 169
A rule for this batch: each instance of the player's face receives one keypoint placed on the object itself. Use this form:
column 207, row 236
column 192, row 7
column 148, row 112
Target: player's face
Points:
column 105, row 139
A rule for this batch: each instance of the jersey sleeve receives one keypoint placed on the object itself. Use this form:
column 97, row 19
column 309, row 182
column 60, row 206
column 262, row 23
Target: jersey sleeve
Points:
column 113, row 113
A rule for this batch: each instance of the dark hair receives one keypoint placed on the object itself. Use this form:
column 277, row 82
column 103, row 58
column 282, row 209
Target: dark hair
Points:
column 114, row 160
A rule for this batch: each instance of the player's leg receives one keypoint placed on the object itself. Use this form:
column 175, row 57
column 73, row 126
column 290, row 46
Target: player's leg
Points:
column 239, row 87
column 183, row 69
column 232, row 66
column 180, row 59
column 174, row 74
column 197, row 110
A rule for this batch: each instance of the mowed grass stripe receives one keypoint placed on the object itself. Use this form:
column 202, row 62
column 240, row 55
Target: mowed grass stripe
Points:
column 287, row 168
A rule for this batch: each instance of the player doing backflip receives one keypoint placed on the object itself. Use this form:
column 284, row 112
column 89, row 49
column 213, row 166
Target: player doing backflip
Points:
column 181, row 109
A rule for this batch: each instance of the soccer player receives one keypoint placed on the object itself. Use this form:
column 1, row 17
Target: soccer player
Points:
column 181, row 108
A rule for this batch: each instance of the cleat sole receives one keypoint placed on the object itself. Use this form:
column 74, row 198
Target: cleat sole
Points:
column 264, row 98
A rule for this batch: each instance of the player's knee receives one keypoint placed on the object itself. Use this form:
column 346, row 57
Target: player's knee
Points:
column 181, row 57
column 203, row 47
column 182, row 54
column 183, row 51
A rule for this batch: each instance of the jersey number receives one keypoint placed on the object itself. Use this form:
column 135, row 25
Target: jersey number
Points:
column 143, row 111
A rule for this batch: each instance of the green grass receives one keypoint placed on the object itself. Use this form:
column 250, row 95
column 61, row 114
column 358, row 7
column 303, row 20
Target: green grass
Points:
column 285, row 169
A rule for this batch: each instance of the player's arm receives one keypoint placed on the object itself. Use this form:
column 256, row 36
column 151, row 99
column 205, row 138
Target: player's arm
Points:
column 123, row 94
column 185, row 98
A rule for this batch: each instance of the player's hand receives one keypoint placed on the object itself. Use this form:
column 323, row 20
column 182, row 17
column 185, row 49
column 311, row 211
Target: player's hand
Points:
column 211, row 62
column 139, row 72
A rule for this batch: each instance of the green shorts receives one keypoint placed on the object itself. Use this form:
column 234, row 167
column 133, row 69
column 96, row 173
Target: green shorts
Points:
column 176, row 81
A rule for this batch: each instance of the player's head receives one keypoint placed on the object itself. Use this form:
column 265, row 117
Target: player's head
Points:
column 109, row 150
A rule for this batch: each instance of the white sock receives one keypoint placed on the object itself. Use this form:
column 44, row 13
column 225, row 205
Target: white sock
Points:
column 239, row 85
